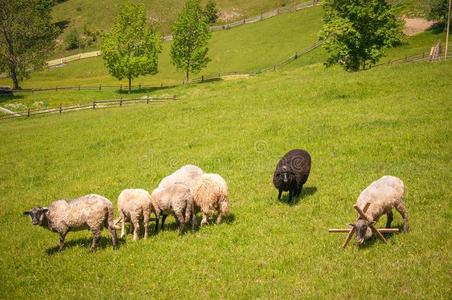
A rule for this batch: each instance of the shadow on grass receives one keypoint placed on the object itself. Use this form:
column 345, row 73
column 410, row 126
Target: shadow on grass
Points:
column 125, row 91
column 305, row 192
column 437, row 28
column 8, row 97
column 105, row 241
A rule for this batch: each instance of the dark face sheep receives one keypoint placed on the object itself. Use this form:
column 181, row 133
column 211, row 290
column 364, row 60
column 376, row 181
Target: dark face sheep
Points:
column 292, row 172
column 37, row 215
column 363, row 230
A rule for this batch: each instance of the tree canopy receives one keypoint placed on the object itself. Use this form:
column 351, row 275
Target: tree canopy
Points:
column 357, row 32
column 131, row 48
column 191, row 35
column 26, row 37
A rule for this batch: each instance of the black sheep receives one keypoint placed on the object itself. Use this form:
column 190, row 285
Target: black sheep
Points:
column 292, row 172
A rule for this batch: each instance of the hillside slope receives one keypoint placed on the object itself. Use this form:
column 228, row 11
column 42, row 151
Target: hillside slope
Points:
column 98, row 16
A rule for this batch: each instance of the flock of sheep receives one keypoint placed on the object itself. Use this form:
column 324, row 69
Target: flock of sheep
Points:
column 189, row 190
column 182, row 193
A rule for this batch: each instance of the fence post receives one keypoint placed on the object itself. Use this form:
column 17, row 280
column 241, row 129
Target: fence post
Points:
column 79, row 87
column 174, row 97
column 28, row 112
column 202, row 78
column 296, row 55
column 406, row 58
column 100, row 87
column 274, row 67
column 120, row 102
column 244, row 21
column 120, row 88
column 56, row 88
column 161, row 84
column 139, row 86
column 147, row 99
column 61, row 109
column 94, row 104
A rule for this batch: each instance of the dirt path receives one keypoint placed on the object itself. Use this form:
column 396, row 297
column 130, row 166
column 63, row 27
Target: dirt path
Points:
column 7, row 111
column 416, row 25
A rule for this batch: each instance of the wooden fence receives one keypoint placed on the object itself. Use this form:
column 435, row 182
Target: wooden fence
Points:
column 93, row 105
column 414, row 58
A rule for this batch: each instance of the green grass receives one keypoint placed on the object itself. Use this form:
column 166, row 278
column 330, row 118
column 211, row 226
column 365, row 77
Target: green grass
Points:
column 99, row 15
column 357, row 126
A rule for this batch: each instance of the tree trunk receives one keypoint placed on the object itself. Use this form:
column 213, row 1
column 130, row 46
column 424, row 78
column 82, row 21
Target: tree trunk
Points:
column 12, row 61
column 187, row 72
column 130, row 83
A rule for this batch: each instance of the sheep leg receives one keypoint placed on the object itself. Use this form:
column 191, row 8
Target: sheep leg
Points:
column 157, row 219
column 163, row 220
column 96, row 238
column 62, row 237
column 300, row 188
column 205, row 219
column 219, row 217
column 402, row 210
column 136, row 227
column 114, row 237
column 279, row 194
column 290, row 196
column 193, row 222
column 131, row 229
column 123, row 225
column 180, row 218
column 146, row 224
column 390, row 216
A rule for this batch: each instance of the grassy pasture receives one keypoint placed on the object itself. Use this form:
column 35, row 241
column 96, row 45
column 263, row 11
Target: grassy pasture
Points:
column 230, row 51
column 357, row 126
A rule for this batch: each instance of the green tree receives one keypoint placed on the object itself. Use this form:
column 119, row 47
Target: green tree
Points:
column 191, row 35
column 73, row 40
column 26, row 37
column 357, row 32
column 211, row 11
column 131, row 49
column 437, row 11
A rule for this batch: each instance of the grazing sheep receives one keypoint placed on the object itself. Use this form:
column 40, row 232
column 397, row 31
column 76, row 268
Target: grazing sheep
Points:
column 210, row 194
column 134, row 205
column 92, row 212
column 383, row 195
column 188, row 175
column 292, row 172
column 176, row 198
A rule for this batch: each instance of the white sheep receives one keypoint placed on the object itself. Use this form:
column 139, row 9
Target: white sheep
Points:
column 210, row 195
column 91, row 212
column 134, row 205
column 383, row 195
column 175, row 198
column 187, row 174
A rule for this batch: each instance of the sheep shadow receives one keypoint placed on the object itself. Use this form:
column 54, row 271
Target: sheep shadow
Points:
column 374, row 239
column 305, row 192
column 105, row 242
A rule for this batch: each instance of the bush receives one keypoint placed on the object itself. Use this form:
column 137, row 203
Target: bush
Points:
column 73, row 40
column 211, row 11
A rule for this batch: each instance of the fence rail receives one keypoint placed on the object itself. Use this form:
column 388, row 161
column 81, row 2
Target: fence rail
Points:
column 93, row 105
column 414, row 58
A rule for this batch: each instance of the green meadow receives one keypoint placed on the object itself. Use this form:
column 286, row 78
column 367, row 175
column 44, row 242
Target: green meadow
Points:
column 357, row 126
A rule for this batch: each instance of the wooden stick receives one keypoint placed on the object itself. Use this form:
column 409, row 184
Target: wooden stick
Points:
column 378, row 233
column 382, row 230
column 349, row 237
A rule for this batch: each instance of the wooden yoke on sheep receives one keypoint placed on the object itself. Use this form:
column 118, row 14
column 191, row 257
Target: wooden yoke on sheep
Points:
column 377, row 231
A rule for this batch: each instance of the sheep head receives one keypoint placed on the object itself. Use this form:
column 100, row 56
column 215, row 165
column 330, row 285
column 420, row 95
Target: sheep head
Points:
column 363, row 231
column 37, row 215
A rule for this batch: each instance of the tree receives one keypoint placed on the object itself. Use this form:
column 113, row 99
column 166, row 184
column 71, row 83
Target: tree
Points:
column 437, row 11
column 131, row 49
column 26, row 37
column 191, row 34
column 73, row 40
column 357, row 32
column 211, row 11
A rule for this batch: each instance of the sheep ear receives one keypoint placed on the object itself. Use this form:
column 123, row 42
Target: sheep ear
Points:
column 372, row 223
column 45, row 209
column 351, row 225
column 26, row 213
